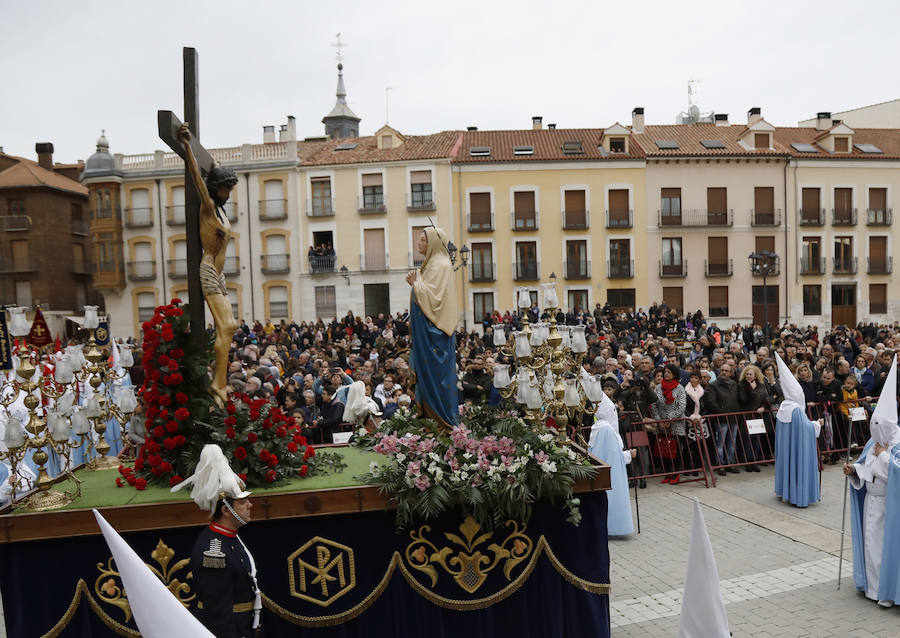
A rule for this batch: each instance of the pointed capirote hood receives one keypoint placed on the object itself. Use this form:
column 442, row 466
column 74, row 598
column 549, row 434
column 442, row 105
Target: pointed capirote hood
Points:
column 157, row 613
column 883, row 423
column 702, row 606
column 793, row 393
column 606, row 415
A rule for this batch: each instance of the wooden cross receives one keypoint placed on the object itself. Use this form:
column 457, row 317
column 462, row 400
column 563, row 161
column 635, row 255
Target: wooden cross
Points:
column 168, row 132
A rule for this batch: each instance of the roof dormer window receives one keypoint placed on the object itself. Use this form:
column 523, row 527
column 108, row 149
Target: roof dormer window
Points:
column 841, row 145
column 617, row 145
column 761, row 141
column 387, row 141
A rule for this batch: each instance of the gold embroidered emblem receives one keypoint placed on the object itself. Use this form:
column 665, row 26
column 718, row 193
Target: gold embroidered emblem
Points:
column 471, row 563
column 321, row 571
column 110, row 591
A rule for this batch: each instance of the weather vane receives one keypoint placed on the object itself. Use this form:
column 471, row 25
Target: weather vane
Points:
column 339, row 46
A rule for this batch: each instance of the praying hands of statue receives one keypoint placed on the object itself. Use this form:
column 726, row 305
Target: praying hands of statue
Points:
column 411, row 277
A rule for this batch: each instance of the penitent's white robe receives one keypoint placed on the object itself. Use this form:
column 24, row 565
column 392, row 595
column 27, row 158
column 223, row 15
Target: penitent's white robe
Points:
column 873, row 517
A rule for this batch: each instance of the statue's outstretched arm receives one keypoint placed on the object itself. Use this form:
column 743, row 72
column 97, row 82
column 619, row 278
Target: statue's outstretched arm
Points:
column 206, row 202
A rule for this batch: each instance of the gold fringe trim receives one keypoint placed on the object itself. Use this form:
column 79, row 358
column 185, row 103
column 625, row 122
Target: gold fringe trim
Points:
column 441, row 601
column 81, row 589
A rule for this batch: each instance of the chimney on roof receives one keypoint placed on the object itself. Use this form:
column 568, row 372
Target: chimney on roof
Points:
column 44, row 152
column 292, row 128
column 721, row 119
column 552, row 127
column 754, row 115
column 537, row 122
column 471, row 128
column 823, row 120
column 637, row 119
column 268, row 134
column 283, row 133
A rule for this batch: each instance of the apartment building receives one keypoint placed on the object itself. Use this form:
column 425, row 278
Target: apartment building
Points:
column 539, row 204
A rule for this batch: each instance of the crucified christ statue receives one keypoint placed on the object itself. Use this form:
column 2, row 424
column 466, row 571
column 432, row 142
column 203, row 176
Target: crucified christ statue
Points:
column 214, row 234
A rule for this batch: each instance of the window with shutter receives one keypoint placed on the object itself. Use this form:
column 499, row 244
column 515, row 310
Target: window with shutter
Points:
column 619, row 208
column 765, row 243
column 761, row 140
column 673, row 297
column 483, row 306
column 523, row 210
column 575, row 214
column 878, row 262
column 480, row 211
column 670, row 207
column 812, row 300
column 718, row 301
column 764, row 205
column 877, row 299
column 482, row 262
column 718, row 256
column 717, row 206
column 841, row 145
column 810, row 211
column 420, row 189
column 526, row 260
column 843, row 205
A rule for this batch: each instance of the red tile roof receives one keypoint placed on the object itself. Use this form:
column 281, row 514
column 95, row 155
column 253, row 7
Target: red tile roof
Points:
column 888, row 140
column 689, row 137
column 27, row 173
column 547, row 144
column 416, row 147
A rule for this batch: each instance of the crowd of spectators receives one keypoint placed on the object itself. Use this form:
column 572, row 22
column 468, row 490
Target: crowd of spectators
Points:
column 668, row 372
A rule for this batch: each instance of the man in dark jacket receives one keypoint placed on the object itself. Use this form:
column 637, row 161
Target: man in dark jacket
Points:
column 476, row 382
column 724, row 401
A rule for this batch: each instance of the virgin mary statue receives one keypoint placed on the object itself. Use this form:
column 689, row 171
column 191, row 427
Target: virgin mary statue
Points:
column 432, row 321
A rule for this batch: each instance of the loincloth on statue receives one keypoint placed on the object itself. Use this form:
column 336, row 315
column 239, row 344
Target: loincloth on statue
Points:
column 212, row 282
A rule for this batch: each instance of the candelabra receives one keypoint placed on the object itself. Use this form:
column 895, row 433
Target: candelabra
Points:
column 54, row 429
column 549, row 381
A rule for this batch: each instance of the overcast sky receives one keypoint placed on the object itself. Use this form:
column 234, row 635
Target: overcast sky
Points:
column 69, row 69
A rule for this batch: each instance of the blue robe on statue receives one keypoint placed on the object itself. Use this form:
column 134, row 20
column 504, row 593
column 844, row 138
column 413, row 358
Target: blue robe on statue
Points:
column 607, row 446
column 433, row 359
column 796, row 460
column 889, row 572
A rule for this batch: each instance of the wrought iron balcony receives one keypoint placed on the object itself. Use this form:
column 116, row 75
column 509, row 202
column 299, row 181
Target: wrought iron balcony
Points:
column 141, row 270
column 620, row 269
column 526, row 270
column 138, row 217
column 718, row 268
column 20, row 264
column 812, row 217
column 374, row 261
column 480, row 272
column 416, row 202
column 177, row 268
column 175, row 215
column 320, row 207
column 319, row 264
column 272, row 209
column 15, row 222
column 879, row 265
column 879, row 217
column 771, row 217
column 619, row 218
column 696, row 217
column 479, row 223
column 371, row 205
column 273, row 264
column 670, row 268
column 843, row 217
column 525, row 221
column 578, row 269
column 82, row 268
column 232, row 266
column 812, row 266
column 79, row 227
column 576, row 219
column 844, row 265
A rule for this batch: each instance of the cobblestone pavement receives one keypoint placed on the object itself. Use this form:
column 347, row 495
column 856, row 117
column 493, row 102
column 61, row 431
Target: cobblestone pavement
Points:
column 778, row 564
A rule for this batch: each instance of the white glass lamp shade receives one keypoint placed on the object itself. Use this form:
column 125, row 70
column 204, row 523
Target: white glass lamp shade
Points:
column 76, row 358
column 499, row 333
column 593, row 388
column 523, row 348
column 80, row 423
column 501, row 376
column 63, row 371
column 91, row 321
column 14, row 436
column 93, row 408
column 566, row 333
column 524, row 298
column 523, row 381
column 18, row 323
column 127, row 359
column 533, row 399
column 536, row 329
column 571, row 398
column 58, row 425
column 125, row 399
column 579, row 342
column 551, row 300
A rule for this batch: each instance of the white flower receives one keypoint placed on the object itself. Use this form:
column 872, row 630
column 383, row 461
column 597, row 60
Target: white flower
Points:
column 545, row 438
column 434, row 457
column 464, row 476
column 571, row 453
column 438, row 474
column 549, row 467
column 467, row 456
column 361, row 431
column 401, row 457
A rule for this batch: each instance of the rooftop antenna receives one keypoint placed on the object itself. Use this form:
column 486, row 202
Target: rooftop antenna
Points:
column 693, row 110
column 339, row 46
column 387, row 105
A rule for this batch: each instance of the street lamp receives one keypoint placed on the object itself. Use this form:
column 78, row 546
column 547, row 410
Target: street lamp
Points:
column 463, row 262
column 764, row 263
column 345, row 273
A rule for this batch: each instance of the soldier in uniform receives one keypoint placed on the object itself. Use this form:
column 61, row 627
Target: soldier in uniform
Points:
column 228, row 598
